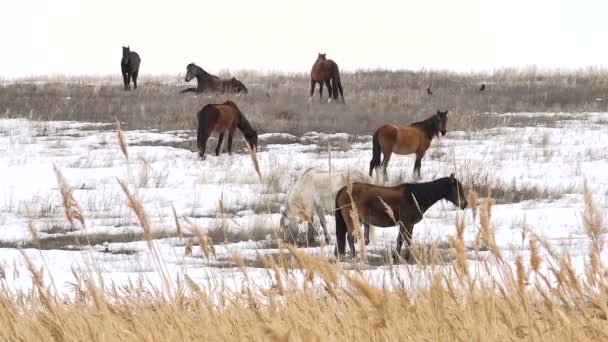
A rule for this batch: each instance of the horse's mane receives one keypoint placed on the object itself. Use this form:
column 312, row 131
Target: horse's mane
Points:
column 201, row 70
column 427, row 192
column 428, row 126
column 243, row 124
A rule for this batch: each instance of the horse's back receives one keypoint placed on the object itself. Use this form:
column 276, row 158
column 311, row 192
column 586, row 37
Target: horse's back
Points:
column 402, row 139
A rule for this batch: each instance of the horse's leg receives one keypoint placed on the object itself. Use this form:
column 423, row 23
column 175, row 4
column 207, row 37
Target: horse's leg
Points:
column 311, row 233
column 312, row 90
column 366, row 233
column 321, row 92
column 329, row 91
column 220, row 139
column 129, row 76
column 418, row 164
column 405, row 235
column 230, row 135
column 135, row 80
column 203, row 144
column 384, row 164
column 125, row 79
column 321, row 215
column 351, row 243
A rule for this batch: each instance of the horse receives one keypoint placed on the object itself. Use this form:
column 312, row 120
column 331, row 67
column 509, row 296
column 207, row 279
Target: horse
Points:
column 222, row 118
column 415, row 138
column 325, row 71
column 129, row 65
column 315, row 192
column 408, row 202
column 211, row 83
column 483, row 87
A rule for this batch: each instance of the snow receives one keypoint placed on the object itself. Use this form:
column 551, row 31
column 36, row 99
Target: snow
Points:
column 553, row 160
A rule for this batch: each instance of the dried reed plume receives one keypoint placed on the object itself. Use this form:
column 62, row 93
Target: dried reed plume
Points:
column 254, row 159
column 354, row 215
column 72, row 209
column 205, row 242
column 122, row 141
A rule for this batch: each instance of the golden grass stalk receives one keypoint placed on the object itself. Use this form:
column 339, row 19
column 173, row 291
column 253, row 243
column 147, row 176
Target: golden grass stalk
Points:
column 34, row 233
column 472, row 201
column 535, row 259
column 178, row 226
column 71, row 207
column 254, row 159
column 205, row 242
column 354, row 215
column 122, row 141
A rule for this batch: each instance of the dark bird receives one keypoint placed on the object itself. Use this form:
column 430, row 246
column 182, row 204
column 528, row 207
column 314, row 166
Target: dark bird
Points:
column 483, row 87
column 429, row 91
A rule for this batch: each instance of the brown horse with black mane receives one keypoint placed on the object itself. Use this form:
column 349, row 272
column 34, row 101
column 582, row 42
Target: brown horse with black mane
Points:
column 408, row 203
column 325, row 71
column 211, row 83
column 222, row 118
column 415, row 138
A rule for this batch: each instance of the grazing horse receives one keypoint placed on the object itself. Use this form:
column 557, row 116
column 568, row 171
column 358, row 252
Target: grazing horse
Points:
column 129, row 65
column 211, row 83
column 415, row 138
column 408, row 202
column 222, row 118
column 325, row 71
column 315, row 193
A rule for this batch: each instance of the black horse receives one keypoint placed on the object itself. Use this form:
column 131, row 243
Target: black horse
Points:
column 211, row 83
column 129, row 64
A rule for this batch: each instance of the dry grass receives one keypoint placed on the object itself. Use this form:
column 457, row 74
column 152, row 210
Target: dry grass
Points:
column 314, row 299
column 373, row 98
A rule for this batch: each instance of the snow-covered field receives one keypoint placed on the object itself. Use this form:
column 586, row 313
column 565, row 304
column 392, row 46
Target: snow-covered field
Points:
column 548, row 164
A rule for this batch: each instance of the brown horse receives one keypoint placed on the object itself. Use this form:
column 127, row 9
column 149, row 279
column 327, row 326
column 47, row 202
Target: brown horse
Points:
column 408, row 202
column 415, row 138
column 211, row 83
column 222, row 118
column 325, row 71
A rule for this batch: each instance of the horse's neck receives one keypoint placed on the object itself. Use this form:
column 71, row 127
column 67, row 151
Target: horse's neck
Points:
column 427, row 126
column 244, row 124
column 423, row 196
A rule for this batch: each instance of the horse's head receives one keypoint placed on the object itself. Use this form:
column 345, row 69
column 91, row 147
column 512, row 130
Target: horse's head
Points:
column 190, row 72
column 125, row 51
column 252, row 139
column 455, row 194
column 443, row 121
column 321, row 57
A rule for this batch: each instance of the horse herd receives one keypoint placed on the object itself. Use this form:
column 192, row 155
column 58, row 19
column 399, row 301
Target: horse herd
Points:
column 349, row 194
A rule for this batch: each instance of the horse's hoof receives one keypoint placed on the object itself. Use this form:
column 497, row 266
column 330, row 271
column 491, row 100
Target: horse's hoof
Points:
column 329, row 100
column 310, row 99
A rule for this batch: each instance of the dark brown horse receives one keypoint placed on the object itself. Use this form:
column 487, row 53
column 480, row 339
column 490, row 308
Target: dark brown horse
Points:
column 415, row 138
column 408, row 202
column 211, row 83
column 222, row 118
column 129, row 65
column 326, row 71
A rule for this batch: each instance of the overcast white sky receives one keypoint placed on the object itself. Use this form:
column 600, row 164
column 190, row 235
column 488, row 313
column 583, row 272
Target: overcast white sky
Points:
column 85, row 37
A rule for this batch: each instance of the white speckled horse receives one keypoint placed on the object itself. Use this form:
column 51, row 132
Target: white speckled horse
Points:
column 315, row 193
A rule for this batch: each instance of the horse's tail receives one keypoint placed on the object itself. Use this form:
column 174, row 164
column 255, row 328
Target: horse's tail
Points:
column 200, row 130
column 375, row 162
column 336, row 83
column 341, row 229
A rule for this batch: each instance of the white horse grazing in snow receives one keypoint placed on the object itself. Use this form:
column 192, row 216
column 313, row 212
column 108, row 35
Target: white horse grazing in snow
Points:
column 315, row 193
